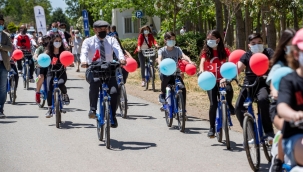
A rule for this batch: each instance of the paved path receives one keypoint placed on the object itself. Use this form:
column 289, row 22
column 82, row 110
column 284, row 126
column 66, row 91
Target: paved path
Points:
column 30, row 142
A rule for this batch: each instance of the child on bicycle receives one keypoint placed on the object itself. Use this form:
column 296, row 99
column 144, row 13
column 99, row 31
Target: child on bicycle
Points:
column 290, row 105
column 41, row 71
column 54, row 49
column 214, row 52
column 175, row 53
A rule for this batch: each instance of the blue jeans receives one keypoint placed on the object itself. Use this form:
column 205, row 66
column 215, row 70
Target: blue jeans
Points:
column 288, row 147
column 3, row 80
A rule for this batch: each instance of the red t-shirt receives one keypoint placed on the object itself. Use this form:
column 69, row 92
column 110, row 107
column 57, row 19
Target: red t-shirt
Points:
column 215, row 60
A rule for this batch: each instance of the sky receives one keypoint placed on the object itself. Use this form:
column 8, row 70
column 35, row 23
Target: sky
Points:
column 58, row 3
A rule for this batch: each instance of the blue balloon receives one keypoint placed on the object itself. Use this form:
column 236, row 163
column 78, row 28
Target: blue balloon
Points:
column 44, row 60
column 168, row 66
column 229, row 70
column 278, row 74
column 207, row 80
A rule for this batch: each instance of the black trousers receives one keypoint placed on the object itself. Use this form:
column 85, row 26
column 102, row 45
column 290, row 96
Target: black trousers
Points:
column 94, row 89
column 16, row 76
column 260, row 91
column 30, row 63
column 142, row 60
column 165, row 80
column 62, row 78
column 213, row 96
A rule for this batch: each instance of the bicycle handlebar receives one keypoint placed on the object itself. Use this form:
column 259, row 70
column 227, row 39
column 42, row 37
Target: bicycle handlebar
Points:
column 246, row 85
column 296, row 124
column 57, row 70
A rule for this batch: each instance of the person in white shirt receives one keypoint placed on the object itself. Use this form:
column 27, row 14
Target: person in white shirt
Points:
column 183, row 30
column 76, row 50
column 106, row 45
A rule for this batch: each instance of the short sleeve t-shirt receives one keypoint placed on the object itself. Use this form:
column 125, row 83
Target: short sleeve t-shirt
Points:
column 174, row 54
column 291, row 93
column 39, row 50
column 216, row 60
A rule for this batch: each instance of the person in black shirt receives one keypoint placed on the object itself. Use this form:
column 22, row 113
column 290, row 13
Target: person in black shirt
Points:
column 261, row 90
column 66, row 34
column 290, row 105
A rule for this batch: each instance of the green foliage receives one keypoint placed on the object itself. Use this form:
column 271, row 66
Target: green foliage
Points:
column 130, row 45
column 59, row 16
column 12, row 27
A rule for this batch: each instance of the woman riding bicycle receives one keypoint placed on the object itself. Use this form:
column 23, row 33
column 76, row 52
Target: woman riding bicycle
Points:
column 290, row 105
column 54, row 49
column 145, row 41
column 175, row 53
column 214, row 52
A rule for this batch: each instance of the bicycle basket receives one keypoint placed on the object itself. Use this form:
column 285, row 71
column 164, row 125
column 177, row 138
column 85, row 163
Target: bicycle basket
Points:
column 105, row 70
column 149, row 52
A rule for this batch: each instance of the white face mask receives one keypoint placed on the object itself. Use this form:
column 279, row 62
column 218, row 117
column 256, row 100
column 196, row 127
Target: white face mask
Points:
column 76, row 35
column 57, row 44
column 63, row 30
column 146, row 32
column 212, row 43
column 301, row 58
column 170, row 43
column 258, row 48
column 288, row 49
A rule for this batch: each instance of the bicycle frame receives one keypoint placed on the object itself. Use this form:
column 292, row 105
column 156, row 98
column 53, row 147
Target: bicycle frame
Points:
column 148, row 62
column 25, row 72
column 222, row 92
column 120, row 80
column 8, row 85
column 104, row 96
column 56, row 89
column 44, row 91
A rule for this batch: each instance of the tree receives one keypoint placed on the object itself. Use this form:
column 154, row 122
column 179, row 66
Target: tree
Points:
column 12, row 27
column 59, row 16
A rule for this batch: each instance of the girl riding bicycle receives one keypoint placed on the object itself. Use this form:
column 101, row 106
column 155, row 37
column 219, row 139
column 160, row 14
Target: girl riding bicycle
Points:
column 54, row 49
column 214, row 52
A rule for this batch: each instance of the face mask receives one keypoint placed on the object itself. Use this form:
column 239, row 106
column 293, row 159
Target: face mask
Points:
column 57, row 44
column 76, row 35
column 1, row 28
column 258, row 48
column 288, row 49
column 63, row 30
column 55, row 29
column 212, row 43
column 171, row 43
column 301, row 58
column 146, row 32
column 23, row 31
column 102, row 34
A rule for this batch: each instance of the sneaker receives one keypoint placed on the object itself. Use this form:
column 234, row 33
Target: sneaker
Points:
column 2, row 115
column 37, row 98
column 211, row 133
column 20, row 73
column 49, row 113
column 162, row 99
column 65, row 98
column 31, row 80
column 115, row 125
column 92, row 114
column 143, row 84
column 78, row 70
column 277, row 165
column 232, row 111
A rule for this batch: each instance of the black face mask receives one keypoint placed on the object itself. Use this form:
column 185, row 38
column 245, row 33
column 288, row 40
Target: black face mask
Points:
column 102, row 34
column 24, row 31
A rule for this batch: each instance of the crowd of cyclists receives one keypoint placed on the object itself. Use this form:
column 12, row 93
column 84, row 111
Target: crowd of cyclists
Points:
column 286, row 107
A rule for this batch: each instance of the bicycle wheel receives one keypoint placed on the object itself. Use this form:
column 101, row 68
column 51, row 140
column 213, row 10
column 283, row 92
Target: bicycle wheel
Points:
column 169, row 121
column 218, row 131
column 12, row 94
column 100, row 127
column 107, row 125
column 152, row 77
column 57, row 109
column 250, row 146
column 267, row 151
column 27, row 76
column 123, row 101
column 225, row 125
column 181, row 112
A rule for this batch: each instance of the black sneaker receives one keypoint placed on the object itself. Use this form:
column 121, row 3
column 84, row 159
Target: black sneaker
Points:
column 65, row 98
column 2, row 115
column 92, row 114
column 115, row 125
column 211, row 133
column 277, row 165
column 162, row 98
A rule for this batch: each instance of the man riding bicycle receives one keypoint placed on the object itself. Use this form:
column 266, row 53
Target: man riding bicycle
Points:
column 24, row 42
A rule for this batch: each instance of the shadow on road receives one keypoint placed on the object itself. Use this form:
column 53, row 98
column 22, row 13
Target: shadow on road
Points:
column 193, row 130
column 72, row 109
column 120, row 145
column 135, row 117
column 13, row 117
column 191, row 118
column 7, row 122
column 25, row 103
column 137, row 104
column 71, row 125
column 234, row 147
column 74, row 88
column 74, row 79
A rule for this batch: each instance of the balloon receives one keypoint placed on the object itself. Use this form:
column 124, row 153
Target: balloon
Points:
column 229, row 70
column 235, row 56
column 259, row 64
column 278, row 74
column 168, row 66
column 131, row 65
column 190, row 69
column 17, row 54
column 207, row 80
column 182, row 64
column 44, row 60
column 66, row 58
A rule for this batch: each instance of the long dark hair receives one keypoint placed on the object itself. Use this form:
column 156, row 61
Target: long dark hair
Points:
column 220, row 48
column 50, row 48
column 279, row 54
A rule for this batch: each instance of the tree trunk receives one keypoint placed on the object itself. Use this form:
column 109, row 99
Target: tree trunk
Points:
column 240, row 30
column 248, row 24
column 219, row 16
column 258, row 29
column 264, row 27
column 228, row 26
column 272, row 34
column 283, row 22
column 296, row 23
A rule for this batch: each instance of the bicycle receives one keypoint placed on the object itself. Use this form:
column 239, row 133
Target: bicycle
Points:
column 174, row 106
column 122, row 99
column 11, row 86
column 57, row 103
column 223, row 120
column 26, row 73
column 253, row 131
column 43, row 94
column 149, row 68
column 104, row 117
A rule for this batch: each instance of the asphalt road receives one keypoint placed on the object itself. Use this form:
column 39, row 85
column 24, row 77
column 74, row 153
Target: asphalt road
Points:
column 30, row 142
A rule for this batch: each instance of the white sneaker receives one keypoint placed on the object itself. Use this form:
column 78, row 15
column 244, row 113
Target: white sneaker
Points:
column 49, row 113
column 143, row 84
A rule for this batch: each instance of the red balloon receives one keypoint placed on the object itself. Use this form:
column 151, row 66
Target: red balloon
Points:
column 66, row 58
column 17, row 54
column 259, row 64
column 182, row 64
column 235, row 56
column 131, row 65
column 190, row 69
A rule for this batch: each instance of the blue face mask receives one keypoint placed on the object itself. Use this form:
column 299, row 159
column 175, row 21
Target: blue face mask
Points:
column 54, row 29
column 171, row 43
column 1, row 28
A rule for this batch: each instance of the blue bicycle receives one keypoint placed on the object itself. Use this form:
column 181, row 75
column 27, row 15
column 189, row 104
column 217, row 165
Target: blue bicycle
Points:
column 43, row 94
column 149, row 68
column 26, row 74
column 253, row 132
column 104, row 117
column 174, row 106
column 122, row 99
column 223, row 120
column 11, row 86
